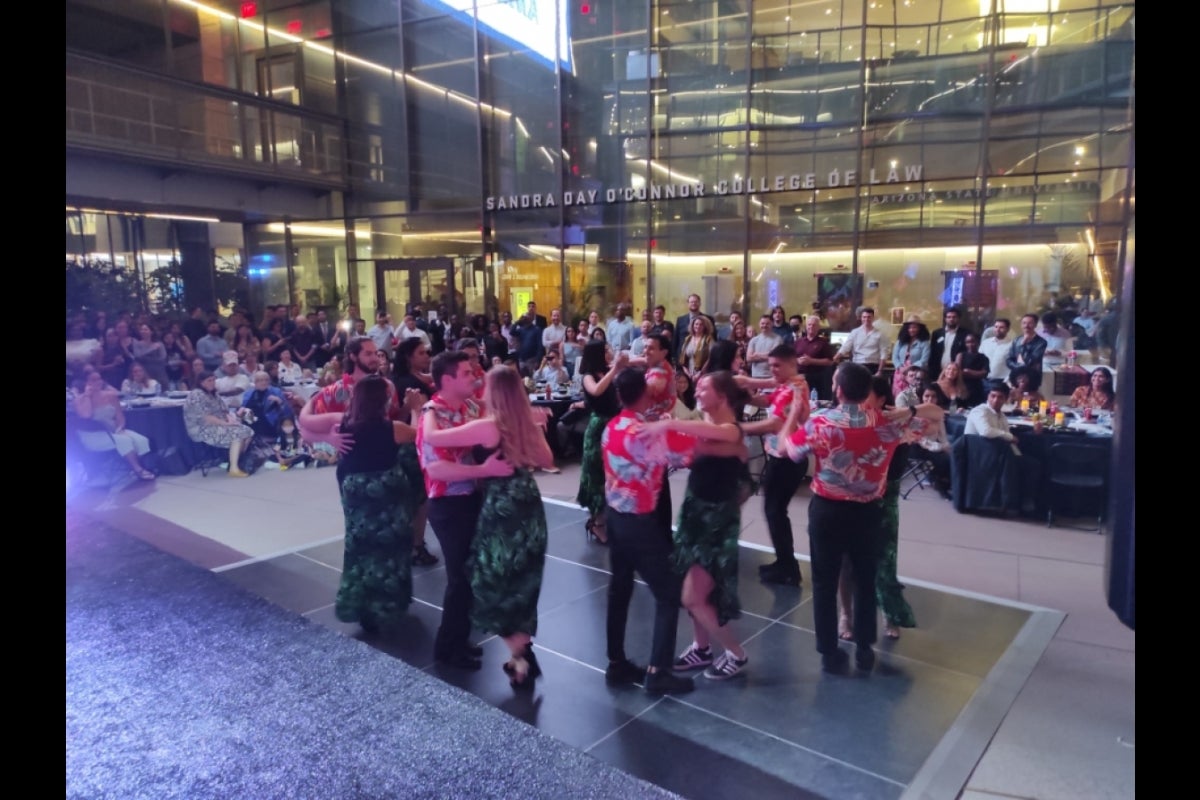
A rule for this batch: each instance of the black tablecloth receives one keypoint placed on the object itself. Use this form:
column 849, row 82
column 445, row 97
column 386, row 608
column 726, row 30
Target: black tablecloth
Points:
column 558, row 407
column 164, row 427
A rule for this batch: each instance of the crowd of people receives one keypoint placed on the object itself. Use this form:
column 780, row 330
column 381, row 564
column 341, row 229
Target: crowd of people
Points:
column 431, row 421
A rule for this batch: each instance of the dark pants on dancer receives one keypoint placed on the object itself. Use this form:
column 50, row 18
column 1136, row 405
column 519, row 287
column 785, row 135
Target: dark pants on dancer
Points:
column 638, row 543
column 781, row 478
column 838, row 528
column 453, row 519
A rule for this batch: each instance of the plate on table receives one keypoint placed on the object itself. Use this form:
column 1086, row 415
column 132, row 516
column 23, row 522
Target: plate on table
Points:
column 177, row 395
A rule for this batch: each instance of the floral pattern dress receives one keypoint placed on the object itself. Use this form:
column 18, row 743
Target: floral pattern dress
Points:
column 889, row 591
column 508, row 555
column 710, row 520
column 591, row 468
column 200, row 404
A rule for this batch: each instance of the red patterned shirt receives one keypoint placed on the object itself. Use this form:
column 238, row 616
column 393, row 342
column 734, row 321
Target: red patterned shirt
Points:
column 660, row 385
column 781, row 404
column 336, row 396
column 853, row 446
column 445, row 416
column 634, row 466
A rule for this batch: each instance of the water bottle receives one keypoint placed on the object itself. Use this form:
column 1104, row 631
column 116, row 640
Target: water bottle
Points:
column 812, row 400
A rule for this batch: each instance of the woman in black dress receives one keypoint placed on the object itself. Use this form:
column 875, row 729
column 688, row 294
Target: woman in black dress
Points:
column 508, row 553
column 600, row 399
column 378, row 502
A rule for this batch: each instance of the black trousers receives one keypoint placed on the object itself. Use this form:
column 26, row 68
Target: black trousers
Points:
column 781, row 479
column 453, row 519
column 836, row 529
column 638, row 543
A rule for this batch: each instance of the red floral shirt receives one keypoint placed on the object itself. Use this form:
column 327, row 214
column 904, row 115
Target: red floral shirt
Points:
column 660, row 384
column 781, row 405
column 336, row 396
column 444, row 417
column 853, row 447
column 634, row 466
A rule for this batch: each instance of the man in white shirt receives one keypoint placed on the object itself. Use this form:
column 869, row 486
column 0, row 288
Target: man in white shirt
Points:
column 866, row 344
column 759, row 348
column 409, row 330
column 996, row 349
column 620, row 329
column 986, row 419
column 638, row 347
column 555, row 332
column 382, row 333
column 232, row 383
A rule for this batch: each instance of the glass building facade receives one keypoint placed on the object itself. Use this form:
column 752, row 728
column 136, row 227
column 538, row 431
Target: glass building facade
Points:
column 904, row 154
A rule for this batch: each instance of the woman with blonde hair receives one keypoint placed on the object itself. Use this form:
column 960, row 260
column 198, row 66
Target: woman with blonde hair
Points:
column 508, row 552
column 694, row 353
column 954, row 387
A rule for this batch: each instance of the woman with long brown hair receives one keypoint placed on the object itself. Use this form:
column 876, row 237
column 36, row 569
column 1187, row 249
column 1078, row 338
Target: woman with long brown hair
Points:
column 694, row 353
column 508, row 552
column 953, row 385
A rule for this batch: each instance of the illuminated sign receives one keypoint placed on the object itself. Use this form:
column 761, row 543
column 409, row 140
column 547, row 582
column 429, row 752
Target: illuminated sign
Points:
column 527, row 24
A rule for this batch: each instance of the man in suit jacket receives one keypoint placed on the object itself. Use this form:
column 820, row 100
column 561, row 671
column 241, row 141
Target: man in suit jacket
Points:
column 949, row 334
column 683, row 325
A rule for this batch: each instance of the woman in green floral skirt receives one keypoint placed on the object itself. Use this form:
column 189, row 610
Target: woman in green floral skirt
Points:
column 600, row 398
column 706, row 536
column 508, row 552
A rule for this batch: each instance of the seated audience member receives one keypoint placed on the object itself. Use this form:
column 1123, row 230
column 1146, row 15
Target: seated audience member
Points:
column 210, row 421
column 177, row 360
column 250, row 365
column 570, row 428
column 114, row 359
column 934, row 446
column 95, row 400
column 1022, row 388
column 232, row 383
column 266, row 405
column 290, row 373
column 910, row 394
column 952, row 385
column 551, row 370
column 988, row 420
column 331, row 373
column 139, row 382
column 290, row 449
column 1097, row 394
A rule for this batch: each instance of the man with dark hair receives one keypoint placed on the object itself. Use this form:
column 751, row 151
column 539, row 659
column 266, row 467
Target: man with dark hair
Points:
column 995, row 347
column 853, row 446
column 454, row 499
column 662, row 325
column 639, row 533
column 946, row 342
column 684, row 324
column 781, row 476
column 866, row 345
column 660, row 377
column 1027, row 351
column 1058, row 340
column 361, row 359
column 528, row 332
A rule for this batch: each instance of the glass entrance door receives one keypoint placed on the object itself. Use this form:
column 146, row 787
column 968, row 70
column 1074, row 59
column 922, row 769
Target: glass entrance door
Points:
column 401, row 282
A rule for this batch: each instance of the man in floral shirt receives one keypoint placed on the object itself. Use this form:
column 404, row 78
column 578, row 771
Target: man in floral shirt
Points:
column 454, row 502
column 639, row 534
column 781, row 476
column 853, row 446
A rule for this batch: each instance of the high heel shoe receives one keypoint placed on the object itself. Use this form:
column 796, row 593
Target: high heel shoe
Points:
column 596, row 530
column 518, row 673
column 535, row 669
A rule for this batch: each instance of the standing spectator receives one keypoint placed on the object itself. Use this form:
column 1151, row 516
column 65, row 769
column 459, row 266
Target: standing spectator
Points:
column 409, row 330
column 495, row 345
column 212, row 347
column 911, row 350
column 725, row 331
column 1027, row 351
column 996, row 347
column 683, row 325
column 975, row 367
column 150, row 353
column 383, row 334
column 780, row 326
column 305, row 344
column 1058, row 340
column 528, row 331
column 866, row 345
column 620, row 329
column 693, row 353
column 814, row 357
column 638, row 347
column 759, row 348
column 555, row 333
column 662, row 325
column 853, row 447
column 947, row 341
column 196, row 326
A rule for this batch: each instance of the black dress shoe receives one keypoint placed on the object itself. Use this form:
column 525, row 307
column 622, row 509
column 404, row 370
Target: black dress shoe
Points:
column 665, row 681
column 864, row 658
column 622, row 673
column 835, row 662
column 781, row 574
column 535, row 669
column 461, row 661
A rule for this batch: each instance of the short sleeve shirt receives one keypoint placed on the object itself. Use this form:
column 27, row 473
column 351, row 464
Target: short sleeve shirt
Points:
column 853, row 447
column 334, row 398
column 446, row 416
column 781, row 403
column 660, row 383
column 634, row 466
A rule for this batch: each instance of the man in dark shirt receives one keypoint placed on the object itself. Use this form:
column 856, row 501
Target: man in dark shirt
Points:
column 662, row 325
column 814, row 357
column 946, row 343
column 528, row 332
column 1028, row 350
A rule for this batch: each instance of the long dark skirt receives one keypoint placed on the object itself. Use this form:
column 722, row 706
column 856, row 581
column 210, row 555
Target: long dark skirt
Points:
column 707, row 534
column 376, row 586
column 591, row 472
column 889, row 591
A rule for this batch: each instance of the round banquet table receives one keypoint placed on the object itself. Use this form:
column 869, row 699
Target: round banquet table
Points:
column 163, row 426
